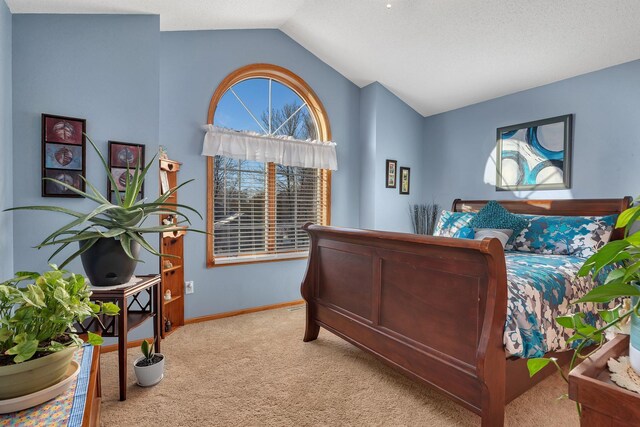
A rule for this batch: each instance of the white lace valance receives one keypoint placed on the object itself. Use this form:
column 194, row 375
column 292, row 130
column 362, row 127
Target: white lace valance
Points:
column 283, row 150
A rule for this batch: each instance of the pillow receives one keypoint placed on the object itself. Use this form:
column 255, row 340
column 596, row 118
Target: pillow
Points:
column 450, row 222
column 494, row 215
column 502, row 235
column 465, row 233
column 579, row 236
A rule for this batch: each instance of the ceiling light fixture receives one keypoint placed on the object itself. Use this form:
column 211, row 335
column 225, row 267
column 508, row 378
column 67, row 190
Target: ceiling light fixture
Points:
column 388, row 5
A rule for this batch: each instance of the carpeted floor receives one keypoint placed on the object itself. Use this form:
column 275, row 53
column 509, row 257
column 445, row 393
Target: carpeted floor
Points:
column 254, row 370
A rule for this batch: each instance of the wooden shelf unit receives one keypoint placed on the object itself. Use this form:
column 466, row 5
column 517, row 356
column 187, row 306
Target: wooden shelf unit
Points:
column 172, row 243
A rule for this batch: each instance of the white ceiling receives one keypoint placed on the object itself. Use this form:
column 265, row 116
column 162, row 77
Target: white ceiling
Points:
column 437, row 55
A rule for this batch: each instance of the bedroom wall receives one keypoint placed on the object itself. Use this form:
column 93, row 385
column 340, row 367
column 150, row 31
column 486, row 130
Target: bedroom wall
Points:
column 192, row 65
column 104, row 68
column 389, row 129
column 606, row 107
column 6, row 145
column 368, row 104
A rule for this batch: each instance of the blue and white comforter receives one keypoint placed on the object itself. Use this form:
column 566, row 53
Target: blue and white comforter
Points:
column 541, row 288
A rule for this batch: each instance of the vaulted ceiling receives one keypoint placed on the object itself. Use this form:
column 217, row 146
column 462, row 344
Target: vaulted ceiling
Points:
column 436, row 55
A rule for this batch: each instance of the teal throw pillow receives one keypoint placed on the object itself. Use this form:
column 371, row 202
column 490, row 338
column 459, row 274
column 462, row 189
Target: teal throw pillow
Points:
column 494, row 215
column 450, row 222
column 465, row 233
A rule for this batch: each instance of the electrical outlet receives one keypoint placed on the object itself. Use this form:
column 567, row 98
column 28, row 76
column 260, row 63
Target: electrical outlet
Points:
column 189, row 287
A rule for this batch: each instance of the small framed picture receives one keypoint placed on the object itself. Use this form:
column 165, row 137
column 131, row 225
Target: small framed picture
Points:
column 123, row 155
column 69, row 177
column 63, row 155
column 405, row 180
column 63, row 130
column 392, row 166
column 124, row 158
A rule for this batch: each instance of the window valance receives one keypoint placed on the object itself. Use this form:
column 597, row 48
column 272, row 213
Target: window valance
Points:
column 283, row 150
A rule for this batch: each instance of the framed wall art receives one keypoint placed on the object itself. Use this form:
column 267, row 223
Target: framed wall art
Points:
column 405, row 180
column 535, row 155
column 63, row 155
column 124, row 158
column 391, row 173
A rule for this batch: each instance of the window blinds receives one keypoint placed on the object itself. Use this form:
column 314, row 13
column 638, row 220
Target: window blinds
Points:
column 260, row 206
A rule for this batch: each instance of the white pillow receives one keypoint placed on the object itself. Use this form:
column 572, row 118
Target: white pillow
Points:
column 500, row 234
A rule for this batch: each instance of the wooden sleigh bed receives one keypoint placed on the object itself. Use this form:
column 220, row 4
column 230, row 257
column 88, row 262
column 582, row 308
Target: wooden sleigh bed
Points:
column 432, row 307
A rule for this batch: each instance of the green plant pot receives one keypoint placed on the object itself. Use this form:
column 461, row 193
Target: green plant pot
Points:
column 34, row 375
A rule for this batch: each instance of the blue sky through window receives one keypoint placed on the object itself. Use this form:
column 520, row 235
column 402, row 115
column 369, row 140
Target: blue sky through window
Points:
column 254, row 93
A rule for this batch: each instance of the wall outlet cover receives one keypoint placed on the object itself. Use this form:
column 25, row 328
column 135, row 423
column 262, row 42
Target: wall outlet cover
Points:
column 189, row 287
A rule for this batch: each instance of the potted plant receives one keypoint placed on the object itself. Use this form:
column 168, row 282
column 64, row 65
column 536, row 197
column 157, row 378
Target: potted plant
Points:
column 149, row 367
column 37, row 317
column 622, row 259
column 111, row 235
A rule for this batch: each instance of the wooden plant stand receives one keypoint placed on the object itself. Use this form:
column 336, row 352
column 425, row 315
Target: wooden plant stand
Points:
column 604, row 404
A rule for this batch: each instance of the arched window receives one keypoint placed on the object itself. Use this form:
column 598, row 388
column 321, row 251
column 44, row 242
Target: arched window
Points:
column 255, row 210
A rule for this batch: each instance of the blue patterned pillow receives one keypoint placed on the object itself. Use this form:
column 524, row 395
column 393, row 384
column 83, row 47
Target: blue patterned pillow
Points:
column 494, row 215
column 579, row 236
column 465, row 233
column 450, row 222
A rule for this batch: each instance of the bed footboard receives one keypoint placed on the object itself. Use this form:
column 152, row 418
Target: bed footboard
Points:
column 432, row 307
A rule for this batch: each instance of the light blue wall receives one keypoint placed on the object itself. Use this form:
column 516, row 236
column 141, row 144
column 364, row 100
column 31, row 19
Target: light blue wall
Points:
column 104, row 68
column 192, row 65
column 606, row 142
column 6, row 146
column 368, row 108
column 390, row 129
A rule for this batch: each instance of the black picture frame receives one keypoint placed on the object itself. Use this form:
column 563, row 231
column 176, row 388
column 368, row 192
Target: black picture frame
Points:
column 124, row 156
column 63, row 154
column 405, row 173
column 391, row 173
column 526, row 136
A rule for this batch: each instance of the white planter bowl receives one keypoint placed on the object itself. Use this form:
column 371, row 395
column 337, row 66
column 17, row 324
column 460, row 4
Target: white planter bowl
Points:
column 149, row 375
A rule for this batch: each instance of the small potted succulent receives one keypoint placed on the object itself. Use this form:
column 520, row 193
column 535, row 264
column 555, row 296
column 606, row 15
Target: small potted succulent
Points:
column 149, row 367
column 37, row 336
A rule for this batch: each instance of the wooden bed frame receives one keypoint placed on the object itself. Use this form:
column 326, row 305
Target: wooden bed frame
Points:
column 432, row 307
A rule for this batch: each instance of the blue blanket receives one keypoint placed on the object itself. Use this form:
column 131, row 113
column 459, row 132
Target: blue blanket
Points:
column 541, row 288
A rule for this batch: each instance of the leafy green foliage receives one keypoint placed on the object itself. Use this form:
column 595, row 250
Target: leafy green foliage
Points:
column 147, row 350
column 123, row 220
column 38, row 317
column 536, row 364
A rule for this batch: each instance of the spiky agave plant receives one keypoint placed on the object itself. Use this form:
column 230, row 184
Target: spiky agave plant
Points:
column 122, row 220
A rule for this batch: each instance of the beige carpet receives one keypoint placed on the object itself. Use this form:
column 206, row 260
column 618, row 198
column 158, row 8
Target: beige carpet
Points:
column 255, row 370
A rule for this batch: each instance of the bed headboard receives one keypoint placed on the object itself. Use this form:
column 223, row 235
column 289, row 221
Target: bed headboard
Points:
column 567, row 207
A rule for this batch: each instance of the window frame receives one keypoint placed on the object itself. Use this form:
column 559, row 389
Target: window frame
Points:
column 316, row 109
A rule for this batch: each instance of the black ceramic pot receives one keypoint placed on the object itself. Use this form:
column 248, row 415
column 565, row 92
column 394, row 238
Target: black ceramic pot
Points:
column 107, row 264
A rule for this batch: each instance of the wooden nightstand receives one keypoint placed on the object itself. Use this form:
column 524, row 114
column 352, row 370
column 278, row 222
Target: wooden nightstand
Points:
column 603, row 402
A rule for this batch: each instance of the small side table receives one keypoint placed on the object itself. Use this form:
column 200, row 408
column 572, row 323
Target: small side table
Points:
column 138, row 300
column 603, row 402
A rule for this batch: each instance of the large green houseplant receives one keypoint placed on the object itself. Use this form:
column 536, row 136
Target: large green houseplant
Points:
column 37, row 336
column 622, row 257
column 110, row 236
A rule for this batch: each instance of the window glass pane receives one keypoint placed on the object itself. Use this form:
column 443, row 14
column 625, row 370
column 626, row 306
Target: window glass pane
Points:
column 243, row 222
column 230, row 113
column 239, row 207
column 297, row 202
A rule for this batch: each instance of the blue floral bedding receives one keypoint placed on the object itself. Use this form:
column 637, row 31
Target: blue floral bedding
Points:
column 541, row 288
